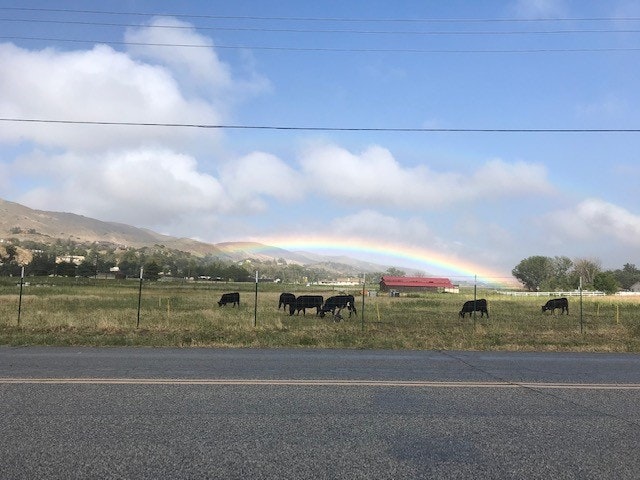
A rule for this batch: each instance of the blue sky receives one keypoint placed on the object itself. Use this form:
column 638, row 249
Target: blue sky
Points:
column 489, row 198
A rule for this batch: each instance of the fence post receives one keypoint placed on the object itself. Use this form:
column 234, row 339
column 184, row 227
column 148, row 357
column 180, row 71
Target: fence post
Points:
column 475, row 294
column 139, row 298
column 581, row 320
column 362, row 311
column 20, row 297
column 255, row 306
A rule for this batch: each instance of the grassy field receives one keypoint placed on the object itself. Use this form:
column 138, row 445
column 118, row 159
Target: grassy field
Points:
column 60, row 311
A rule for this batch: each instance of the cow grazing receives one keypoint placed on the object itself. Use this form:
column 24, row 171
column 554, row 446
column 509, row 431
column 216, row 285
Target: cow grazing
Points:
column 229, row 298
column 479, row 305
column 306, row 301
column 339, row 302
column 554, row 303
column 286, row 300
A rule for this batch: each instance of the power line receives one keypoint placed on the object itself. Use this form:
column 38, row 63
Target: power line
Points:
column 330, row 31
column 324, row 129
column 330, row 49
column 330, row 19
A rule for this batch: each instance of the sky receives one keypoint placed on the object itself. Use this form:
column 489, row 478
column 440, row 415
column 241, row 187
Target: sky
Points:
column 457, row 138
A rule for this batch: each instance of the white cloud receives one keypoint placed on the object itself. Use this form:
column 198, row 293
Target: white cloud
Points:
column 260, row 174
column 197, row 67
column 595, row 219
column 145, row 176
column 145, row 187
column 200, row 63
column 498, row 178
column 153, row 187
column 371, row 224
column 375, row 177
column 93, row 85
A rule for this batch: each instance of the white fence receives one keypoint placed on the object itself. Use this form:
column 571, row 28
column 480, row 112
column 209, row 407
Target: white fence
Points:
column 573, row 293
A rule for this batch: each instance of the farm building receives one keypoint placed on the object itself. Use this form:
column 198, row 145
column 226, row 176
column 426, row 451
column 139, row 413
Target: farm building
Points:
column 417, row 284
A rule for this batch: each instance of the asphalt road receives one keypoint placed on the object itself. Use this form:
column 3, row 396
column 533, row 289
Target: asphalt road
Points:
column 326, row 414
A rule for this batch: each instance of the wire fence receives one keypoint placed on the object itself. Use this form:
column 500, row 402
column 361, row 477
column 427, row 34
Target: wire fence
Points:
column 141, row 304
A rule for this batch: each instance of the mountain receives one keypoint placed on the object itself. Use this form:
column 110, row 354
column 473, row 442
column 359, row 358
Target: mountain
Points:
column 23, row 223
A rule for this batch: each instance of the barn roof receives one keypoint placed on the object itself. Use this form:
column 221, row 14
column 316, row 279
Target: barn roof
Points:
column 433, row 282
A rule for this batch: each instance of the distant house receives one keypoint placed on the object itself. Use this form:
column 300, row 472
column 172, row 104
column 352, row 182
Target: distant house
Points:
column 75, row 259
column 635, row 287
column 417, row 284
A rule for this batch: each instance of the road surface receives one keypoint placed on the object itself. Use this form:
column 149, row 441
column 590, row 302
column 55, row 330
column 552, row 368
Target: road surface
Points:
column 292, row 414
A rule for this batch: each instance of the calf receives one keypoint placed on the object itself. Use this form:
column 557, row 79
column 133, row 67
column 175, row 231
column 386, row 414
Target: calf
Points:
column 339, row 302
column 306, row 301
column 479, row 305
column 229, row 298
column 554, row 303
column 286, row 300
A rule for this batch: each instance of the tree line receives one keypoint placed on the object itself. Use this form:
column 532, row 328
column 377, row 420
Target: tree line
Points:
column 561, row 273
column 156, row 261
column 536, row 273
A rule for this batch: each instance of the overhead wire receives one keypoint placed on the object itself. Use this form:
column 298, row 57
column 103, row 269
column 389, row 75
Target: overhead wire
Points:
column 328, row 49
column 327, row 19
column 323, row 128
column 322, row 49
column 313, row 48
column 331, row 31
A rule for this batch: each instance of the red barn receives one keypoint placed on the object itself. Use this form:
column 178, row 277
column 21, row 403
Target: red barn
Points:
column 417, row 284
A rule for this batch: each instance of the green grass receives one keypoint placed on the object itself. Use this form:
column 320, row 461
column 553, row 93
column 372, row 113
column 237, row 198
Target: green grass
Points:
column 58, row 311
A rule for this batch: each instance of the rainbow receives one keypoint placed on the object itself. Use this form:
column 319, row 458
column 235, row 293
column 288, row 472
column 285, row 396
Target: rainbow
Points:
column 418, row 257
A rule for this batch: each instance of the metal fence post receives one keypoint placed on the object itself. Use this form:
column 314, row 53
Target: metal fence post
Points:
column 255, row 306
column 20, row 297
column 362, row 311
column 581, row 320
column 139, row 297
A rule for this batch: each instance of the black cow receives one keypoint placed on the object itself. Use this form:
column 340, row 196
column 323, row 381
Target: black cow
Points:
column 286, row 299
column 339, row 302
column 479, row 305
column 229, row 298
column 554, row 303
column 306, row 301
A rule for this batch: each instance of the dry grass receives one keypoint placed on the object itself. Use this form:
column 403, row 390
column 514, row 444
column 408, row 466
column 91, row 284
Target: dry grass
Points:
column 98, row 312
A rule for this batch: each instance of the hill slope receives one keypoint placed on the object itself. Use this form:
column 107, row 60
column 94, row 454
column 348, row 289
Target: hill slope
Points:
column 24, row 223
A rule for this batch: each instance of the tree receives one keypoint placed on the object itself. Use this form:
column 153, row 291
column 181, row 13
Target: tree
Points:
column 11, row 252
column 605, row 282
column 42, row 264
column 236, row 273
column 86, row 269
column 129, row 263
column 395, row 272
column 628, row 276
column 560, row 273
column 66, row 269
column 151, row 271
column 533, row 271
column 587, row 270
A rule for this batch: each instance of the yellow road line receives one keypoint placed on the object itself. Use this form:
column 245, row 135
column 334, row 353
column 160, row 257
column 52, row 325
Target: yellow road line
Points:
column 316, row 383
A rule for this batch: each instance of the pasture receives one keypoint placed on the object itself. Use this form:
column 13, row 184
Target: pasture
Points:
column 95, row 312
